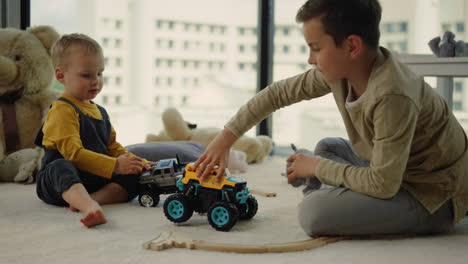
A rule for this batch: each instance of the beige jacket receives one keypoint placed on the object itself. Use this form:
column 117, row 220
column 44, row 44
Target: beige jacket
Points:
column 406, row 131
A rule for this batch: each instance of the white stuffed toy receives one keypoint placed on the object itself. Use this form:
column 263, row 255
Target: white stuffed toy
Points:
column 176, row 129
column 25, row 96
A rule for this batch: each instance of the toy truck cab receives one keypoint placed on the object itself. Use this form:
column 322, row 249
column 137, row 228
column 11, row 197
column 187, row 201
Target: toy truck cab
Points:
column 160, row 179
column 224, row 202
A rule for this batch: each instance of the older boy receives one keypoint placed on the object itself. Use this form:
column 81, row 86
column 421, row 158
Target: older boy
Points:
column 404, row 169
column 84, row 166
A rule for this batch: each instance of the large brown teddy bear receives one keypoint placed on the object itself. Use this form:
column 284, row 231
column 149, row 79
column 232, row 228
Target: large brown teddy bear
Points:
column 175, row 129
column 26, row 74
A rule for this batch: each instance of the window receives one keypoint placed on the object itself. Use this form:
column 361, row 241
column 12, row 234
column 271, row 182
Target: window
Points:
column 241, row 31
column 458, row 87
column 404, row 27
column 457, row 106
column 446, row 27
column 389, row 28
column 460, row 27
column 241, row 48
column 118, row 24
column 105, row 42
column 404, row 47
column 118, row 43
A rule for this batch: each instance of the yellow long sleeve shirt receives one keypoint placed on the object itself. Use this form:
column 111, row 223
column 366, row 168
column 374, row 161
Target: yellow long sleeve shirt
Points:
column 62, row 132
column 406, row 131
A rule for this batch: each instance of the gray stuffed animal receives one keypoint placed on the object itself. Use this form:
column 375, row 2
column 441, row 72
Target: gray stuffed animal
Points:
column 448, row 47
column 310, row 184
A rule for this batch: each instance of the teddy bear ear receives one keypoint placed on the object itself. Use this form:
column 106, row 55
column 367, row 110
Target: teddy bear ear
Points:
column 46, row 34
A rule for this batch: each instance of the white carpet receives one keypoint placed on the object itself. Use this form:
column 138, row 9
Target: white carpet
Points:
column 33, row 232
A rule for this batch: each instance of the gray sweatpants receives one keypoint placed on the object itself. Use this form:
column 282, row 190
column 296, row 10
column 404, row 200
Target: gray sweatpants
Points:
column 340, row 211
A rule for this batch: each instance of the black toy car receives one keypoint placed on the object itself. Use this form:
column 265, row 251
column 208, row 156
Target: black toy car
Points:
column 160, row 179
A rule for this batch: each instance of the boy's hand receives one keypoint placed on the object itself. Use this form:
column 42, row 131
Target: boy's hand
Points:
column 216, row 153
column 302, row 166
column 128, row 164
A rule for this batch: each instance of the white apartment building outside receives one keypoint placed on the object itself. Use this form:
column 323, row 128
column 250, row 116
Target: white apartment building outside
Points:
column 200, row 57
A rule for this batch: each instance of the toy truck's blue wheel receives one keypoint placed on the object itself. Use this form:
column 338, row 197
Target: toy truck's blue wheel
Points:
column 177, row 208
column 223, row 215
column 148, row 199
column 249, row 209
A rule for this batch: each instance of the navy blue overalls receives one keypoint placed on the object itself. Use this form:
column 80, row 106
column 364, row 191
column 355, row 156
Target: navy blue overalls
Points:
column 58, row 175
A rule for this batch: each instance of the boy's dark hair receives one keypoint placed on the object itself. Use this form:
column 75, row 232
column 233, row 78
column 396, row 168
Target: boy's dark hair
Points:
column 342, row 18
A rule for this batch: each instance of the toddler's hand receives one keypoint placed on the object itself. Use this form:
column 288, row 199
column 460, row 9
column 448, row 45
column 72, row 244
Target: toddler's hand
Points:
column 128, row 164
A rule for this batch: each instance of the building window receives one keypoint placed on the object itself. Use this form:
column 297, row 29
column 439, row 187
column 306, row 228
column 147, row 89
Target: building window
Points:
column 446, row 27
column 118, row 24
column 118, row 62
column 118, row 80
column 241, row 48
column 157, row 81
column 117, row 99
column 241, row 66
column 286, row 31
column 105, row 42
column 242, row 31
column 169, row 81
column 404, row 27
column 458, row 87
column 404, row 47
column 285, row 49
column 457, row 105
column 303, row 49
column 184, row 100
column 156, row 100
column 105, row 99
column 460, row 27
column 118, row 43
column 170, row 44
column 389, row 27
column 159, row 23
column 106, row 80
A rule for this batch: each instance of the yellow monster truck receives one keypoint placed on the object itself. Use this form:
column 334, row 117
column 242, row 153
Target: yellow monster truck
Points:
column 224, row 202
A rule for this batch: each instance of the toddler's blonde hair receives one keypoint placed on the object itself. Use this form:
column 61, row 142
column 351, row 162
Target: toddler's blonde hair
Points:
column 61, row 47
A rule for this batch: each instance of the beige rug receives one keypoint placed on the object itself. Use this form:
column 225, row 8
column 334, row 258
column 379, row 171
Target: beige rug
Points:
column 33, row 232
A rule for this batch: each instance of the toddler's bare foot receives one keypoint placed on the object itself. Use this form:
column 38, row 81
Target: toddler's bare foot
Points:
column 93, row 217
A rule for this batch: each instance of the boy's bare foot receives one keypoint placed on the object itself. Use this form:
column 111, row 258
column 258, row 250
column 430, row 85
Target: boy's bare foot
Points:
column 93, row 217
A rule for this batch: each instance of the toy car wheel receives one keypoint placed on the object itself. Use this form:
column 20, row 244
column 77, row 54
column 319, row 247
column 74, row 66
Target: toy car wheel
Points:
column 223, row 215
column 177, row 208
column 249, row 209
column 148, row 199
